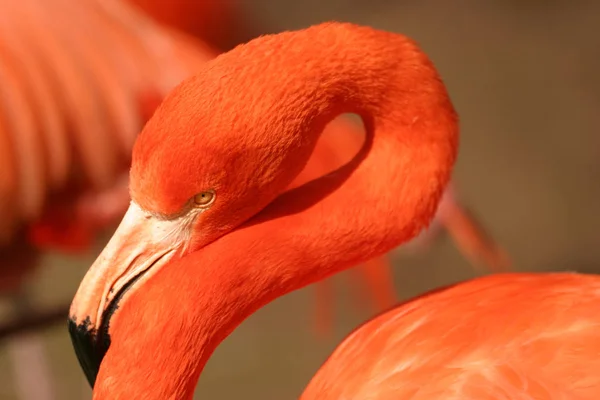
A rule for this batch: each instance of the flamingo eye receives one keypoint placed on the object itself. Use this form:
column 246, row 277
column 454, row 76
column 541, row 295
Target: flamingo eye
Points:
column 204, row 199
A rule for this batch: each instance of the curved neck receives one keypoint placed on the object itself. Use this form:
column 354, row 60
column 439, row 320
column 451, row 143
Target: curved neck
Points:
column 383, row 197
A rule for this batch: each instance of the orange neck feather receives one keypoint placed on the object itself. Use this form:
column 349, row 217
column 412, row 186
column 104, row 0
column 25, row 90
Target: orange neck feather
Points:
column 383, row 197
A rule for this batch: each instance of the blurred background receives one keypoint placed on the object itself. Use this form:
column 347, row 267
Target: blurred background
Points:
column 523, row 76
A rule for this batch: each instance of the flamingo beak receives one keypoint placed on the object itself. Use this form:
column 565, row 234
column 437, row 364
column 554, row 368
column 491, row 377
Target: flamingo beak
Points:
column 139, row 246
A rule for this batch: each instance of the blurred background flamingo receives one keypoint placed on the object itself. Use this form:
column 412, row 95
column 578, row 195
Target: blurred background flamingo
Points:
column 500, row 141
column 71, row 106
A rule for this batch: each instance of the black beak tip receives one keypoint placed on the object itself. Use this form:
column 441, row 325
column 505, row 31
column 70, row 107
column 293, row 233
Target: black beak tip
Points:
column 87, row 348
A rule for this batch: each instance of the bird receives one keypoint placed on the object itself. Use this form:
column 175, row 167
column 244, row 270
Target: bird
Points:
column 339, row 142
column 270, row 131
column 212, row 235
column 503, row 336
column 70, row 108
column 80, row 139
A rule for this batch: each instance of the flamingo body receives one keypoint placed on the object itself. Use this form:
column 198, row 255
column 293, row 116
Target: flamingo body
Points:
column 506, row 336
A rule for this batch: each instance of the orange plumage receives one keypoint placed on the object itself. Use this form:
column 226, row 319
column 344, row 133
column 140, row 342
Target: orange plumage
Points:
column 506, row 336
column 72, row 79
column 87, row 104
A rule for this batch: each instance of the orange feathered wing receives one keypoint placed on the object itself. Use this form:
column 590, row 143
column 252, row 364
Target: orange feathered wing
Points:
column 71, row 105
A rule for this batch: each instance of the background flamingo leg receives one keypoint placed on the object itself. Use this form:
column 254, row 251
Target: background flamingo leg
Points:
column 375, row 283
column 32, row 376
column 471, row 238
column 324, row 308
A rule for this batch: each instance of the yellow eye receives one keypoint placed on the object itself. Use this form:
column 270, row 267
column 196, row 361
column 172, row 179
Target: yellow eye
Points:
column 204, row 199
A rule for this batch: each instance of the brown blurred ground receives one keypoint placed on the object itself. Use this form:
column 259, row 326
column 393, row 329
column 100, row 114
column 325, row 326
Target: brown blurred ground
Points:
column 524, row 78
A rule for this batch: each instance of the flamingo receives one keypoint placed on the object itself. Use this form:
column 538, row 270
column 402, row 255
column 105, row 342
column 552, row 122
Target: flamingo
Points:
column 70, row 108
column 212, row 235
column 339, row 142
column 109, row 105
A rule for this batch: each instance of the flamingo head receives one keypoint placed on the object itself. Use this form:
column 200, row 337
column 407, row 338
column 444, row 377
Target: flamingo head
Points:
column 208, row 160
